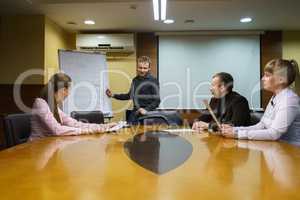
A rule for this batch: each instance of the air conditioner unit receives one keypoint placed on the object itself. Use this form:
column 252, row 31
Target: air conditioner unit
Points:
column 110, row 44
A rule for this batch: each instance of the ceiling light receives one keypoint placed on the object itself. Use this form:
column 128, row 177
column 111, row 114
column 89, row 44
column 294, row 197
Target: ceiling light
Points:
column 89, row 22
column 245, row 20
column 156, row 9
column 159, row 9
column 100, row 36
column 189, row 21
column 133, row 7
column 71, row 23
column 163, row 11
column 169, row 21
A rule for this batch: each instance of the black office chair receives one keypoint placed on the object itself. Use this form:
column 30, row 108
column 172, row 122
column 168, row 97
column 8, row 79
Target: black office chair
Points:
column 17, row 128
column 255, row 116
column 96, row 117
column 161, row 117
column 153, row 120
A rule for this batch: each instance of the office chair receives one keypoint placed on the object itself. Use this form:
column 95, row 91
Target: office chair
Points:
column 17, row 128
column 161, row 117
column 255, row 116
column 96, row 117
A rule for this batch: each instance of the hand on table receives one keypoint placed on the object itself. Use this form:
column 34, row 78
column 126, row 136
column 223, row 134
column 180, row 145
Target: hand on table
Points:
column 227, row 131
column 200, row 126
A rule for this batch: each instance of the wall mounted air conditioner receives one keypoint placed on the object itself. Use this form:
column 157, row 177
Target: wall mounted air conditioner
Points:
column 110, row 44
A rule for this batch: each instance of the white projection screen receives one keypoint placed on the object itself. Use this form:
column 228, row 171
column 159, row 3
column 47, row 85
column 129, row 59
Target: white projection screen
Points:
column 188, row 62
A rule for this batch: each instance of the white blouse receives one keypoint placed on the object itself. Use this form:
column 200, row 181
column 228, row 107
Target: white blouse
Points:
column 281, row 119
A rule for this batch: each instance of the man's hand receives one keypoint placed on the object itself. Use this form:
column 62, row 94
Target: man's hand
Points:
column 141, row 111
column 227, row 131
column 109, row 93
column 200, row 126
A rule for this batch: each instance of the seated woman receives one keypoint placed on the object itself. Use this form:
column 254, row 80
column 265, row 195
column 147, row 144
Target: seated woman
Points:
column 49, row 120
column 281, row 119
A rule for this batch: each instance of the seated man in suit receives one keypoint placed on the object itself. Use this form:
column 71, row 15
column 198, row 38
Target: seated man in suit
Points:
column 144, row 91
column 228, row 106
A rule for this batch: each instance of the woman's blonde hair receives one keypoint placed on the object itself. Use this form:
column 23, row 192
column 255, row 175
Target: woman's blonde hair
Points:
column 286, row 68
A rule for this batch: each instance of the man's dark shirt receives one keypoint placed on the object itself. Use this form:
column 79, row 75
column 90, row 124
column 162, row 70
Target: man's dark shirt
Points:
column 144, row 91
column 233, row 109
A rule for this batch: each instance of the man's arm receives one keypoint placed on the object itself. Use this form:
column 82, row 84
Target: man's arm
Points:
column 205, row 120
column 205, row 115
column 125, row 96
column 241, row 113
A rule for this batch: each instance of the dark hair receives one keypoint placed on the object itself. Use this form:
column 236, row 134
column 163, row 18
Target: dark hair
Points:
column 56, row 82
column 226, row 79
column 286, row 68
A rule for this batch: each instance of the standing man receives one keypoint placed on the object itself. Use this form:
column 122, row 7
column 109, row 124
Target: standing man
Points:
column 228, row 106
column 144, row 91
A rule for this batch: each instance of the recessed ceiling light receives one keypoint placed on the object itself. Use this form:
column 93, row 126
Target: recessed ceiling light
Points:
column 246, row 19
column 72, row 23
column 89, row 22
column 156, row 9
column 29, row 1
column 189, row 21
column 159, row 9
column 163, row 9
column 133, row 7
column 169, row 21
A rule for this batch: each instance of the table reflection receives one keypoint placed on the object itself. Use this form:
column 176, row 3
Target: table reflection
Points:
column 159, row 151
column 280, row 159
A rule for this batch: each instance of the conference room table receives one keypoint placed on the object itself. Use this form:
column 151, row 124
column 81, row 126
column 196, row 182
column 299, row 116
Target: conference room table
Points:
column 148, row 162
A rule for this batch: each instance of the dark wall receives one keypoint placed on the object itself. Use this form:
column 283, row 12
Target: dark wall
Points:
column 8, row 105
column 271, row 47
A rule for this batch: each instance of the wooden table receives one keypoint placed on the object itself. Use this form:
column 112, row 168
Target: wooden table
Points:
column 100, row 167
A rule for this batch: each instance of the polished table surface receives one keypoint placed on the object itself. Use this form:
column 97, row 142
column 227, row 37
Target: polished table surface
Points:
column 133, row 165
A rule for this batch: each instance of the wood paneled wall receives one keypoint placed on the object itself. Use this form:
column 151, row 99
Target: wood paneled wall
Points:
column 271, row 47
column 147, row 45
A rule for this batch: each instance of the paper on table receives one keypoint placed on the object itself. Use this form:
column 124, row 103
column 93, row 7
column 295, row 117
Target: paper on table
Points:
column 180, row 130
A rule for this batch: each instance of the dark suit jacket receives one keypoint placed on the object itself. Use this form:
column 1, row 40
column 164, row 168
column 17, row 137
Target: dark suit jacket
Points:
column 144, row 91
column 233, row 108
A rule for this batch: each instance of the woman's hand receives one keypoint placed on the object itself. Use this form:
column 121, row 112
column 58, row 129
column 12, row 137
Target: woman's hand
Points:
column 105, row 127
column 227, row 131
column 112, row 124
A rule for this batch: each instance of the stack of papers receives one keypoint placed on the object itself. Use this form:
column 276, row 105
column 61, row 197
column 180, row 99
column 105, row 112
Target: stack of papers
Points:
column 120, row 124
column 180, row 130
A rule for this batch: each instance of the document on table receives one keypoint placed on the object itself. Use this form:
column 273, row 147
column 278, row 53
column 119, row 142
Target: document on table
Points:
column 180, row 130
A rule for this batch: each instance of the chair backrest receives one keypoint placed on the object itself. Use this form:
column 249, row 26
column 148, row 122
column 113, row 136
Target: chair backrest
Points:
column 88, row 116
column 255, row 116
column 161, row 117
column 152, row 120
column 17, row 128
